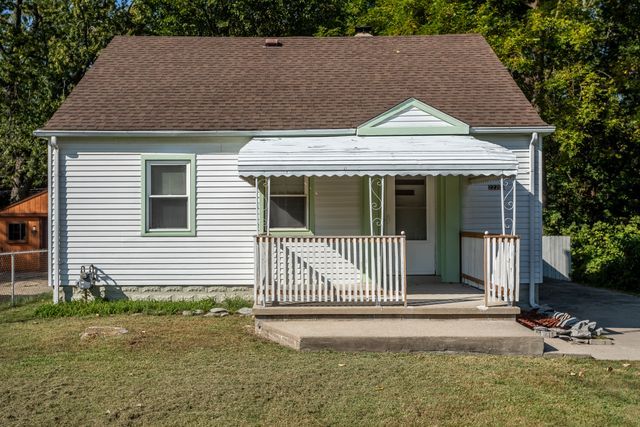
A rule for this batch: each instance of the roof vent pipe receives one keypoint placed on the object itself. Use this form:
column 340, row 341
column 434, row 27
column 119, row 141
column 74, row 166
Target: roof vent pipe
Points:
column 363, row 31
column 272, row 43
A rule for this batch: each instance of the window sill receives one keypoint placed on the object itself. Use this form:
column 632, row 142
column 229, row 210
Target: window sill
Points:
column 172, row 233
column 293, row 232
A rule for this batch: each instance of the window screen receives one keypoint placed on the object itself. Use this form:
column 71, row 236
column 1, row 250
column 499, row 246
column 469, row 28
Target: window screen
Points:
column 168, row 193
column 411, row 208
column 17, row 232
column 288, row 207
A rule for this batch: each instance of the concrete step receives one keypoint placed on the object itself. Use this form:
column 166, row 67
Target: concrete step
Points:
column 404, row 335
column 436, row 311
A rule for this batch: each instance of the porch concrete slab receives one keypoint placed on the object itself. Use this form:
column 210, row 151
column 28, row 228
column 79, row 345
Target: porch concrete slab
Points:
column 404, row 335
column 429, row 291
column 387, row 311
column 617, row 312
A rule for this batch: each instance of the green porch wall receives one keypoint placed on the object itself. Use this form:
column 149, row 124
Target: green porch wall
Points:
column 449, row 222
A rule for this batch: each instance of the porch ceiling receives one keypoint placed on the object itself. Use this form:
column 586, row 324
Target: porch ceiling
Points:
column 375, row 155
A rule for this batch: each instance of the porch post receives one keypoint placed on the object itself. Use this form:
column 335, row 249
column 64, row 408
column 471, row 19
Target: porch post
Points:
column 376, row 204
column 502, row 203
column 382, row 205
column 513, row 211
column 508, row 204
column 258, row 228
column 370, row 207
column 268, row 207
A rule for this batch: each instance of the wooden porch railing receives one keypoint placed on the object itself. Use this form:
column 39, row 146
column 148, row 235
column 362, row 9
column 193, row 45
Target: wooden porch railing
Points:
column 491, row 262
column 358, row 269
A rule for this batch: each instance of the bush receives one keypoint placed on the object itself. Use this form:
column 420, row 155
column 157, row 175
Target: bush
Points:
column 105, row 308
column 607, row 255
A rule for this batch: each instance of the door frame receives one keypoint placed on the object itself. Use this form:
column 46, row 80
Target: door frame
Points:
column 432, row 212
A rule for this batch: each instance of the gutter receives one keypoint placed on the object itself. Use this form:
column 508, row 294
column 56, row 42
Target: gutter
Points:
column 49, row 218
column 190, row 133
column 54, row 215
column 542, row 130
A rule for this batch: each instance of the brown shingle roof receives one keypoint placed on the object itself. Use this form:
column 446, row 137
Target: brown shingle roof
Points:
column 208, row 83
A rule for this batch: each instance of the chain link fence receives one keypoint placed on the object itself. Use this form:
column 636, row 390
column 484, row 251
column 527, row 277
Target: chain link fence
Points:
column 22, row 274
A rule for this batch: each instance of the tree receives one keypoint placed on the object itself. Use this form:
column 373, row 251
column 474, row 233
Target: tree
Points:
column 577, row 61
column 45, row 47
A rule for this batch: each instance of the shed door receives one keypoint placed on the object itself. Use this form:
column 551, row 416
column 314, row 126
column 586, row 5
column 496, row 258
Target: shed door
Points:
column 415, row 215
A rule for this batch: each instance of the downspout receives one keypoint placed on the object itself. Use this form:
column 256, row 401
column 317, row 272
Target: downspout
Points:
column 532, row 215
column 55, row 248
column 49, row 216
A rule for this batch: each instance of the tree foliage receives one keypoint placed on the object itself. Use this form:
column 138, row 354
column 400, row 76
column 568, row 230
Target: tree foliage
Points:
column 578, row 61
column 45, row 48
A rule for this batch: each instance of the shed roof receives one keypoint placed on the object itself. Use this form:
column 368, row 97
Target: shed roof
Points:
column 33, row 205
column 216, row 83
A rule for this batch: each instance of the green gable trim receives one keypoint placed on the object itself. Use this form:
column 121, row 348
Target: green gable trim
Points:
column 449, row 225
column 144, row 229
column 456, row 127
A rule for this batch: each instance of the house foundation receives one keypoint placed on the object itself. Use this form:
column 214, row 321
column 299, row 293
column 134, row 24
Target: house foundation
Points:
column 156, row 293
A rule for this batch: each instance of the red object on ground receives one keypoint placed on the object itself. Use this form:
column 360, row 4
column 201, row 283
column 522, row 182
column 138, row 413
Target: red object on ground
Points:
column 531, row 319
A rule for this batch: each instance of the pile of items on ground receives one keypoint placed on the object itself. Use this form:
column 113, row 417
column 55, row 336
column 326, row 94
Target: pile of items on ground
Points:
column 556, row 324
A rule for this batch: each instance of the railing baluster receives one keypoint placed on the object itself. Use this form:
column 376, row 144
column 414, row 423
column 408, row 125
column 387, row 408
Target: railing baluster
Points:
column 403, row 267
column 327, row 282
column 396, row 271
column 517, row 272
column 294, row 269
column 300, row 273
column 379, row 269
column 359, row 270
column 312, row 268
column 333, row 256
column 353, row 272
column 384, row 268
column 303, row 270
column 343, row 267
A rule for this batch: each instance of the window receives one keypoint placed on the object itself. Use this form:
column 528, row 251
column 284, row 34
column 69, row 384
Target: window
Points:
column 17, row 231
column 289, row 203
column 411, row 208
column 169, row 187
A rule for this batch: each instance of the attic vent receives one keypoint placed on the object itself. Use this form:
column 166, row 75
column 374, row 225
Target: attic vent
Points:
column 272, row 43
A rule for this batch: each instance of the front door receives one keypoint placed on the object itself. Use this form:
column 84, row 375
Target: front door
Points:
column 415, row 215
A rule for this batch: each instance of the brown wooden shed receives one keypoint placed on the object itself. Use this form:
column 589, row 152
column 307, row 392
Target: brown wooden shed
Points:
column 23, row 227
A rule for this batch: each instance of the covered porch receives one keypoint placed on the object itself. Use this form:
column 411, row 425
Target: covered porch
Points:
column 386, row 234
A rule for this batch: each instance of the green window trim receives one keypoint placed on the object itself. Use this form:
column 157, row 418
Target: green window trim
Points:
column 294, row 232
column 144, row 160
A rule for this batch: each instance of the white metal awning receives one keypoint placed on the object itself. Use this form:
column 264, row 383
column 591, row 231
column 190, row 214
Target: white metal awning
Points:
column 375, row 155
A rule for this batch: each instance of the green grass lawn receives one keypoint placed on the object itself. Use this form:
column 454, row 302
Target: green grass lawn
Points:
column 171, row 370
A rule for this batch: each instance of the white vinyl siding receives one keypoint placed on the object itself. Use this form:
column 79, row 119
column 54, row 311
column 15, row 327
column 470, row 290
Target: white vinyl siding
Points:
column 481, row 206
column 101, row 215
column 338, row 206
column 100, row 212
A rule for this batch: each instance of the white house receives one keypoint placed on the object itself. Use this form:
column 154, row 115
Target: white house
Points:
column 296, row 170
